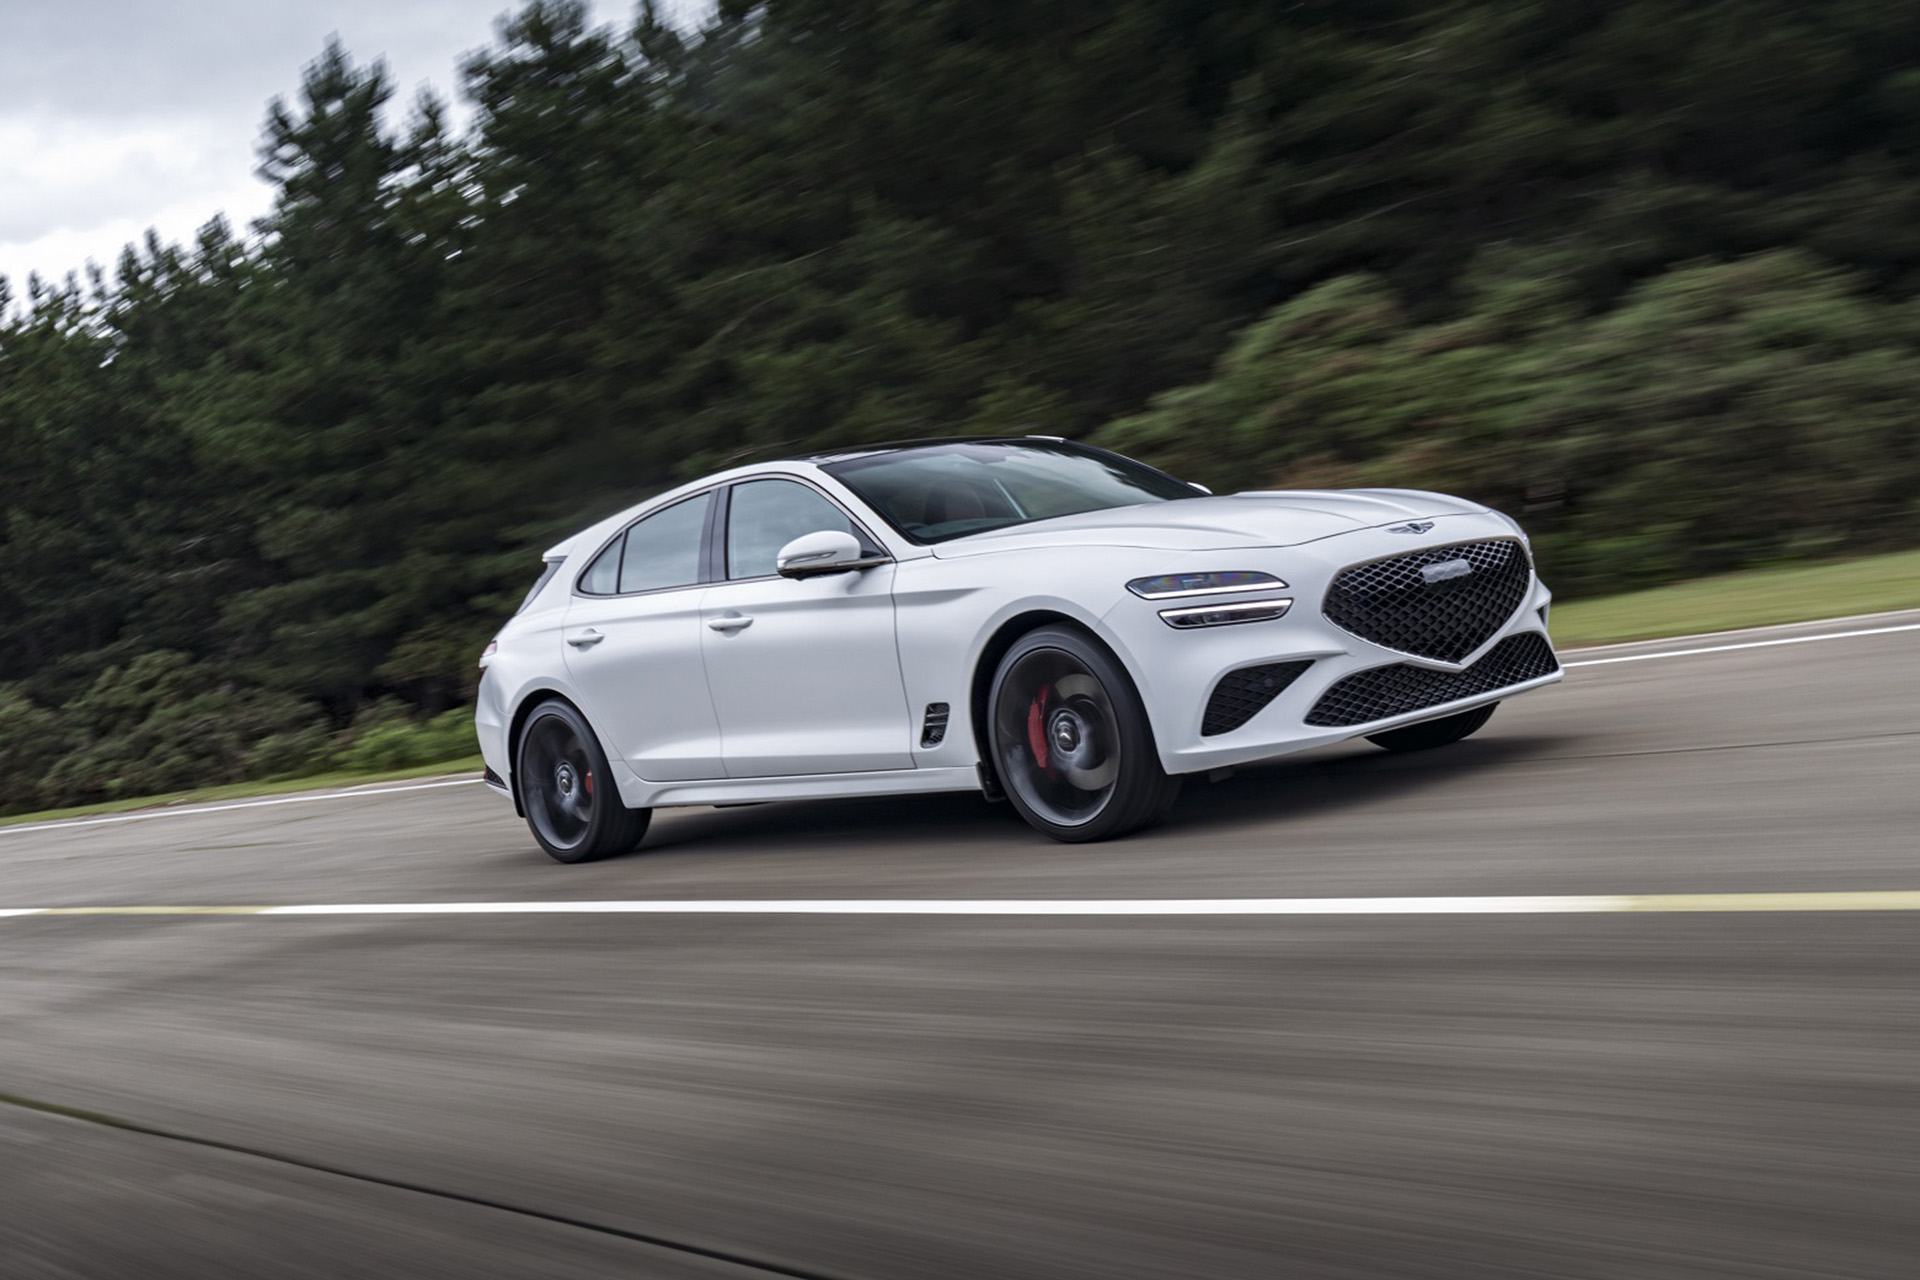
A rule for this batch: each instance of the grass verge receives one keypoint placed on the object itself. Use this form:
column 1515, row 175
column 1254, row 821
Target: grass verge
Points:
column 244, row 790
column 1752, row 598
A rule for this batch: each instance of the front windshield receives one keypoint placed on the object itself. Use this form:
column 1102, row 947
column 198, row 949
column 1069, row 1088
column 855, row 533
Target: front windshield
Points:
column 936, row 492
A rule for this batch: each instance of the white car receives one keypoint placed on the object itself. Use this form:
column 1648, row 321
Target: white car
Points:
column 1031, row 618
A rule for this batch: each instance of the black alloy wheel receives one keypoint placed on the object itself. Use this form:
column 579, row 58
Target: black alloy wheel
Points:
column 1434, row 733
column 568, row 791
column 1071, row 742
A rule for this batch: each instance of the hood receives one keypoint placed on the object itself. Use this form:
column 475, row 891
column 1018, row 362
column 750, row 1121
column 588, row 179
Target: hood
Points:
column 1275, row 518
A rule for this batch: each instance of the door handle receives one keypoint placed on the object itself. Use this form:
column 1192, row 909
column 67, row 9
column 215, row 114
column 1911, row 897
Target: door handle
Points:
column 730, row 622
column 586, row 639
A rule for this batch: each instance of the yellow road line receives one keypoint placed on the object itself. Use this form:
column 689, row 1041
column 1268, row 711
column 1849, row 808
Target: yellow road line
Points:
column 1862, row 900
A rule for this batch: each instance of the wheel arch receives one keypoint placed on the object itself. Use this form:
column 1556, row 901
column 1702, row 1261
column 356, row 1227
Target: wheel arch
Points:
column 1003, row 638
column 529, row 699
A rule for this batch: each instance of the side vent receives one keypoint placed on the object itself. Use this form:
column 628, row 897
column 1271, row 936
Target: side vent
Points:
column 934, row 730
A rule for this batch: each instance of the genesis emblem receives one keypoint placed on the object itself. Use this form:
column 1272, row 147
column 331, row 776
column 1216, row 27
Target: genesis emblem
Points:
column 1412, row 526
column 1446, row 570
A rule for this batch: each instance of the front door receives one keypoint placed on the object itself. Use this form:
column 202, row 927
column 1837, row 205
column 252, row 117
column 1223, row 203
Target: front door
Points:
column 805, row 673
column 633, row 648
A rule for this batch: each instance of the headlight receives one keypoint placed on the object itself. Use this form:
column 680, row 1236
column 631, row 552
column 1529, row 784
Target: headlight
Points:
column 1170, row 586
column 1225, row 613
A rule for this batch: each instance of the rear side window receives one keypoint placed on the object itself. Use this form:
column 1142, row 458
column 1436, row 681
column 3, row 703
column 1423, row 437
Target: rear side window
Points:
column 660, row 551
column 602, row 577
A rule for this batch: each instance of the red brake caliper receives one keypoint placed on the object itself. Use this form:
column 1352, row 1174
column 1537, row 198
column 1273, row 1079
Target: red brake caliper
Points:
column 1036, row 730
column 588, row 785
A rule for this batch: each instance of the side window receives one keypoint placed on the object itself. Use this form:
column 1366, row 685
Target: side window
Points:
column 765, row 515
column 660, row 551
column 664, row 549
column 602, row 577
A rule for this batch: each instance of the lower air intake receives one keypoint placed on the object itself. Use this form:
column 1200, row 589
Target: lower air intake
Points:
column 1382, row 692
column 1241, row 694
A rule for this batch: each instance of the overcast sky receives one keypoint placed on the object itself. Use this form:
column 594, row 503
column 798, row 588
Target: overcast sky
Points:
column 119, row 115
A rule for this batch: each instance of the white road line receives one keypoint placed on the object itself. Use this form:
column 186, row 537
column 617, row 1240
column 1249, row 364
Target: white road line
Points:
column 980, row 907
column 1536, row 904
column 1886, row 617
column 1745, row 644
column 145, row 815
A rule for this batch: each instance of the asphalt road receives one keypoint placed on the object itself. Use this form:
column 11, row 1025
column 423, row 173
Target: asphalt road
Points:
column 1610, row 1096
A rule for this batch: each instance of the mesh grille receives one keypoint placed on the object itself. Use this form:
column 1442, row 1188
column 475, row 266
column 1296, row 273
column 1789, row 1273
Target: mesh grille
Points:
column 1380, row 692
column 1443, row 602
column 1240, row 694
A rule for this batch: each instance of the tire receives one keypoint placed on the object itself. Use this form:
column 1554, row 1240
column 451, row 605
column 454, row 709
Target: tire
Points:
column 1434, row 733
column 1071, row 742
column 558, row 764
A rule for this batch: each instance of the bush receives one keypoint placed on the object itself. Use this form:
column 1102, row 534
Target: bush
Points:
column 296, row 753
column 1718, row 416
column 32, row 738
column 384, row 736
column 164, row 723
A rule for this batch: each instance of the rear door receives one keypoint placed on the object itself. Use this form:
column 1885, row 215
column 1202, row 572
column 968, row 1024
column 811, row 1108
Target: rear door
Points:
column 633, row 647
column 805, row 673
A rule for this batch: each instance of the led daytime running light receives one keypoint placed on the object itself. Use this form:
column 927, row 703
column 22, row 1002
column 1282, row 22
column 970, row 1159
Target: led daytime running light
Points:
column 1225, row 614
column 1173, row 586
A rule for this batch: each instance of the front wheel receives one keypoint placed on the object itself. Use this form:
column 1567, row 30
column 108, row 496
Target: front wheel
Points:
column 1434, row 733
column 1071, row 742
column 568, row 792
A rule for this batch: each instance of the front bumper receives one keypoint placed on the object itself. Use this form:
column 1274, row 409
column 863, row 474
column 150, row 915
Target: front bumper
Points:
column 1181, row 669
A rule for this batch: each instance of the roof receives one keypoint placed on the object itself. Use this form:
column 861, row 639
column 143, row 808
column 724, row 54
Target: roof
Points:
column 891, row 446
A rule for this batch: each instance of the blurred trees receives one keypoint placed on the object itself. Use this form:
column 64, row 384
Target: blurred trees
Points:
column 1642, row 274
column 1715, row 416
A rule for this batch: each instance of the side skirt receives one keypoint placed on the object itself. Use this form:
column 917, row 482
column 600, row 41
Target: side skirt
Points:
column 638, row 793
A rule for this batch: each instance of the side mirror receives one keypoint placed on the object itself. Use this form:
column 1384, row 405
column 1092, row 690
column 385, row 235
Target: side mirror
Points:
column 830, row 551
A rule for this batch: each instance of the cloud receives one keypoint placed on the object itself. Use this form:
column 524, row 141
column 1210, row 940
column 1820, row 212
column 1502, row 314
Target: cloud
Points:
column 78, row 188
column 117, row 115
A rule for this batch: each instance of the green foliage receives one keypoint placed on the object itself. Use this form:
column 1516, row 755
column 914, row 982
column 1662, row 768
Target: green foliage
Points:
column 32, row 738
column 1750, row 598
column 1639, row 273
column 160, row 723
column 399, row 742
column 1717, row 416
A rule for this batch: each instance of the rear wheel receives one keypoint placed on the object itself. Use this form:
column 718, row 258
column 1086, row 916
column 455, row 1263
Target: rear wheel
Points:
column 1434, row 733
column 1071, row 742
column 573, row 807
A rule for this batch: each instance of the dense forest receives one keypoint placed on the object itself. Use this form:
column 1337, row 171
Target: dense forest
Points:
column 1643, row 274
